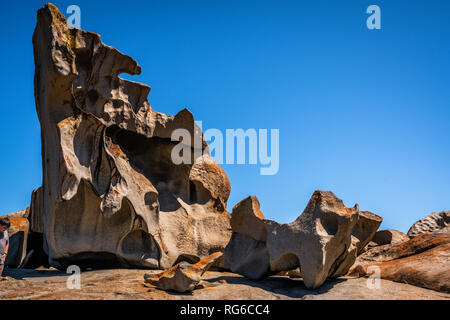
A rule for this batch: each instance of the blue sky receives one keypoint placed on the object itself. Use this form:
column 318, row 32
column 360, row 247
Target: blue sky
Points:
column 364, row 113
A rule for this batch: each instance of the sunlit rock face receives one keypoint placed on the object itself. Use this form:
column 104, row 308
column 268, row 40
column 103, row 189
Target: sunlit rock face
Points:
column 18, row 237
column 247, row 252
column 182, row 277
column 111, row 193
column 421, row 261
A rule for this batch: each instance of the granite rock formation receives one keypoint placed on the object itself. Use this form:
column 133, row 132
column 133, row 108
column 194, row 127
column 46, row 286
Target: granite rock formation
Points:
column 247, row 252
column 364, row 230
column 182, row 277
column 388, row 236
column 18, row 214
column 323, row 241
column 18, row 237
column 432, row 222
column 111, row 193
column 422, row 261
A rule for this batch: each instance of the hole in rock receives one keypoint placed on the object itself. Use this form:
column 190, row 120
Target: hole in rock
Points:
column 188, row 258
column 152, row 158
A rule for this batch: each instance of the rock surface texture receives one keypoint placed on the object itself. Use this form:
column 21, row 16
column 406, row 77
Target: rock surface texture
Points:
column 389, row 236
column 183, row 276
column 18, row 237
column 127, row 284
column 422, row 261
column 111, row 193
column 323, row 241
column 432, row 222
column 247, row 252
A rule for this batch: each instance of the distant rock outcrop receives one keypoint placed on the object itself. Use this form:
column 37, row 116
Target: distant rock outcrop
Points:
column 18, row 237
column 111, row 193
column 432, row 222
column 323, row 241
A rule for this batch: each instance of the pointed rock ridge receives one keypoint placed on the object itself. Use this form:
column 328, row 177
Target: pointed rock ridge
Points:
column 432, row 222
column 323, row 241
column 111, row 193
column 182, row 277
column 247, row 253
column 247, row 219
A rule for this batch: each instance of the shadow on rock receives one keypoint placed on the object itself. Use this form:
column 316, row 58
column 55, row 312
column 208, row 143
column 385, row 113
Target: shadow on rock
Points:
column 20, row 274
column 294, row 288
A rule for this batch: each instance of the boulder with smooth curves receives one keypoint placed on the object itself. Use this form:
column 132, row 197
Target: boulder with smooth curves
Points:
column 111, row 193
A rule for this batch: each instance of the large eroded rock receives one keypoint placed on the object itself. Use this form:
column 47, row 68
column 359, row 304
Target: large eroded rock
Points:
column 422, row 261
column 388, row 252
column 432, row 222
column 364, row 230
column 323, row 241
column 247, row 252
column 111, row 193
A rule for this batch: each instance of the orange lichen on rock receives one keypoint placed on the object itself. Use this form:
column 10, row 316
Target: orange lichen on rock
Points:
column 183, row 276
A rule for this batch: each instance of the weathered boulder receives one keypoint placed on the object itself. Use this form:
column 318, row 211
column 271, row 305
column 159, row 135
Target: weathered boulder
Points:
column 323, row 241
column 422, row 261
column 365, row 229
column 182, row 277
column 111, row 192
column 317, row 240
column 432, row 222
column 18, row 237
column 18, row 214
column 388, row 252
column 362, row 233
column 26, row 246
column 247, row 253
column 388, row 236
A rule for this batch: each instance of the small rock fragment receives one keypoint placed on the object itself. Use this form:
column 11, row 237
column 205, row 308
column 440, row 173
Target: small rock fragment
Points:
column 183, row 277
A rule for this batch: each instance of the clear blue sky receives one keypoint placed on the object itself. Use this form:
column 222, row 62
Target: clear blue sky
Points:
column 364, row 113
